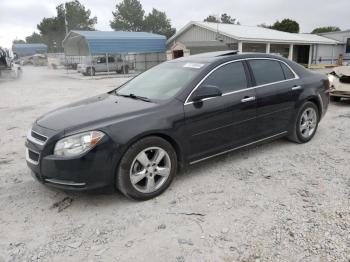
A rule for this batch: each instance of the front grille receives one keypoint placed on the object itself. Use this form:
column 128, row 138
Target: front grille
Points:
column 345, row 79
column 32, row 156
column 38, row 136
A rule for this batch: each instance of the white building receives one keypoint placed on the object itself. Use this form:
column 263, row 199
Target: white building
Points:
column 343, row 37
column 198, row 37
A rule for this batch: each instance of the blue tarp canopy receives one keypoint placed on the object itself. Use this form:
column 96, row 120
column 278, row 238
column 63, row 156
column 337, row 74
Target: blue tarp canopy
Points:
column 29, row 49
column 84, row 43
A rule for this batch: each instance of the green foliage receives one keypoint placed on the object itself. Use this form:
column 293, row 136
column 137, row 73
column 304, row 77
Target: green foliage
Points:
column 211, row 19
column 128, row 16
column 286, row 25
column 53, row 31
column 157, row 22
column 325, row 29
column 224, row 19
column 34, row 38
column 264, row 25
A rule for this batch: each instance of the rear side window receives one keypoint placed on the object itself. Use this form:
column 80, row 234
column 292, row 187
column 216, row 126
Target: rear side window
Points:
column 266, row 71
column 228, row 78
column 111, row 60
column 287, row 72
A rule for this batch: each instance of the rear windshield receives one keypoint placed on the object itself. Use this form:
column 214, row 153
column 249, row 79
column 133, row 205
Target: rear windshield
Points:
column 162, row 82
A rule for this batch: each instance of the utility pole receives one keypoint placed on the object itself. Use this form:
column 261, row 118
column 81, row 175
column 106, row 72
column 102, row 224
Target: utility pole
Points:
column 65, row 18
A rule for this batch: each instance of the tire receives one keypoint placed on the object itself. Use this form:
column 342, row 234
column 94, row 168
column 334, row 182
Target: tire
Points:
column 147, row 170
column 303, row 131
column 335, row 98
column 126, row 70
column 90, row 71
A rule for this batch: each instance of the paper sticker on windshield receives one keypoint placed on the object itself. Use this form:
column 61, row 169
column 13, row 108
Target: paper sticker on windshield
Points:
column 194, row 65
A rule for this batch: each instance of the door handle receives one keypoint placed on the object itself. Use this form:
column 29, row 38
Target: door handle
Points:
column 248, row 99
column 296, row 88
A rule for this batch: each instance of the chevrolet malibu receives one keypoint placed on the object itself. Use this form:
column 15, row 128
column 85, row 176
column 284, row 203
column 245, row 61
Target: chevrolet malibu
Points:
column 135, row 138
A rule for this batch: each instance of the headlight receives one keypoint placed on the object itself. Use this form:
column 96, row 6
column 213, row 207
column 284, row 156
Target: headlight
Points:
column 77, row 144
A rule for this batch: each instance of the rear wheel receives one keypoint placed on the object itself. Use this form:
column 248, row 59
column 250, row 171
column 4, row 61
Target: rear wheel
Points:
column 306, row 123
column 90, row 71
column 147, row 168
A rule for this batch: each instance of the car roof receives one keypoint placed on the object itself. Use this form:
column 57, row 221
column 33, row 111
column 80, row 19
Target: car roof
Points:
column 224, row 56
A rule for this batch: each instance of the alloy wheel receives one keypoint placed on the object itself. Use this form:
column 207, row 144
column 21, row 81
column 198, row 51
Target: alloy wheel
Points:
column 150, row 169
column 308, row 122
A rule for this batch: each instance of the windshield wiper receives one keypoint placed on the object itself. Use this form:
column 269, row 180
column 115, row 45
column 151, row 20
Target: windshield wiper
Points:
column 133, row 96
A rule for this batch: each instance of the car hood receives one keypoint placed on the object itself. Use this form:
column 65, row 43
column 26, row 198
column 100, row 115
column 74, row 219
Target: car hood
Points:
column 342, row 71
column 93, row 111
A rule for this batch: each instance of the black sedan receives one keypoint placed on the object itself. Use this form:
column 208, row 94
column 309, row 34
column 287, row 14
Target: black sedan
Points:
column 136, row 137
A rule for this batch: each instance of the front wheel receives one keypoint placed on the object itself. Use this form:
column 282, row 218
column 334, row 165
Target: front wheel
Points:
column 305, row 124
column 147, row 168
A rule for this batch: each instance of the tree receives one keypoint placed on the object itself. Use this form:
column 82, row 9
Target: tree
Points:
column 264, row 25
column 286, row 25
column 224, row 19
column 18, row 41
column 212, row 19
column 78, row 18
column 325, row 29
column 157, row 22
column 34, row 38
column 52, row 29
column 128, row 16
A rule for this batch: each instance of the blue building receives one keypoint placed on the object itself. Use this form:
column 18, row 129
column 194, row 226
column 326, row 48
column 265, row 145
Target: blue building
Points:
column 29, row 49
column 86, row 43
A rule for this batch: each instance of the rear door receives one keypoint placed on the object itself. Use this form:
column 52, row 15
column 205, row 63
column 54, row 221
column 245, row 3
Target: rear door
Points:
column 100, row 65
column 111, row 64
column 218, row 124
column 277, row 89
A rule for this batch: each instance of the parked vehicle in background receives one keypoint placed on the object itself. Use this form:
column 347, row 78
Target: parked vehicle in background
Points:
column 339, row 80
column 181, row 112
column 7, row 66
column 100, row 64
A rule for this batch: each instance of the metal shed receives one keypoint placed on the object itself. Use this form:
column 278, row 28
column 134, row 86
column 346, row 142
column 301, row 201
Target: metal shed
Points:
column 85, row 43
column 29, row 49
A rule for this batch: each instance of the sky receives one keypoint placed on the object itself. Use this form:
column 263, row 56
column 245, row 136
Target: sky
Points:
column 18, row 18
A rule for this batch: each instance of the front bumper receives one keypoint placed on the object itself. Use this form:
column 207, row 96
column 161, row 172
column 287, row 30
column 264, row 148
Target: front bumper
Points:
column 340, row 93
column 92, row 170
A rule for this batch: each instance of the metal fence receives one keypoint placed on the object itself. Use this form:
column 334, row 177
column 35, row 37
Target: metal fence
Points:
column 132, row 63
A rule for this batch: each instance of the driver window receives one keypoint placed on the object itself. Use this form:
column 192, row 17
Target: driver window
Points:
column 228, row 78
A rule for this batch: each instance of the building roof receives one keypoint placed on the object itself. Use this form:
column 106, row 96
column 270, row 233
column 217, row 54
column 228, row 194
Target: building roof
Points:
column 29, row 49
column 112, row 42
column 335, row 32
column 257, row 34
column 340, row 36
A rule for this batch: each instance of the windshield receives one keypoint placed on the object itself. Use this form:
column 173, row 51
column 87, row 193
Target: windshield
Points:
column 161, row 82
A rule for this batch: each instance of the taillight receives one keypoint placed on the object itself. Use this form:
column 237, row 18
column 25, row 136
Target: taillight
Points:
column 326, row 84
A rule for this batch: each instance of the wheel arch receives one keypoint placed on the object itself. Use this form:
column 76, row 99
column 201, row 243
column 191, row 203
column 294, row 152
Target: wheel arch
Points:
column 172, row 142
column 167, row 137
column 317, row 102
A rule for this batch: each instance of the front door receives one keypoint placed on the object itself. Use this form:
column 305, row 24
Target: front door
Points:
column 221, row 123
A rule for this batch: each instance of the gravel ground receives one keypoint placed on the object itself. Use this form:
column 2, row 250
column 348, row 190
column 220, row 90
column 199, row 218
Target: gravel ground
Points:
column 275, row 202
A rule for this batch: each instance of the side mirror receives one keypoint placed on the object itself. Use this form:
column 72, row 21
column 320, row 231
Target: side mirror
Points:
column 205, row 91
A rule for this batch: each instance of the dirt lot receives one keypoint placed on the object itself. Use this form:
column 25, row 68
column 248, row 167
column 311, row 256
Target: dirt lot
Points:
column 275, row 202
